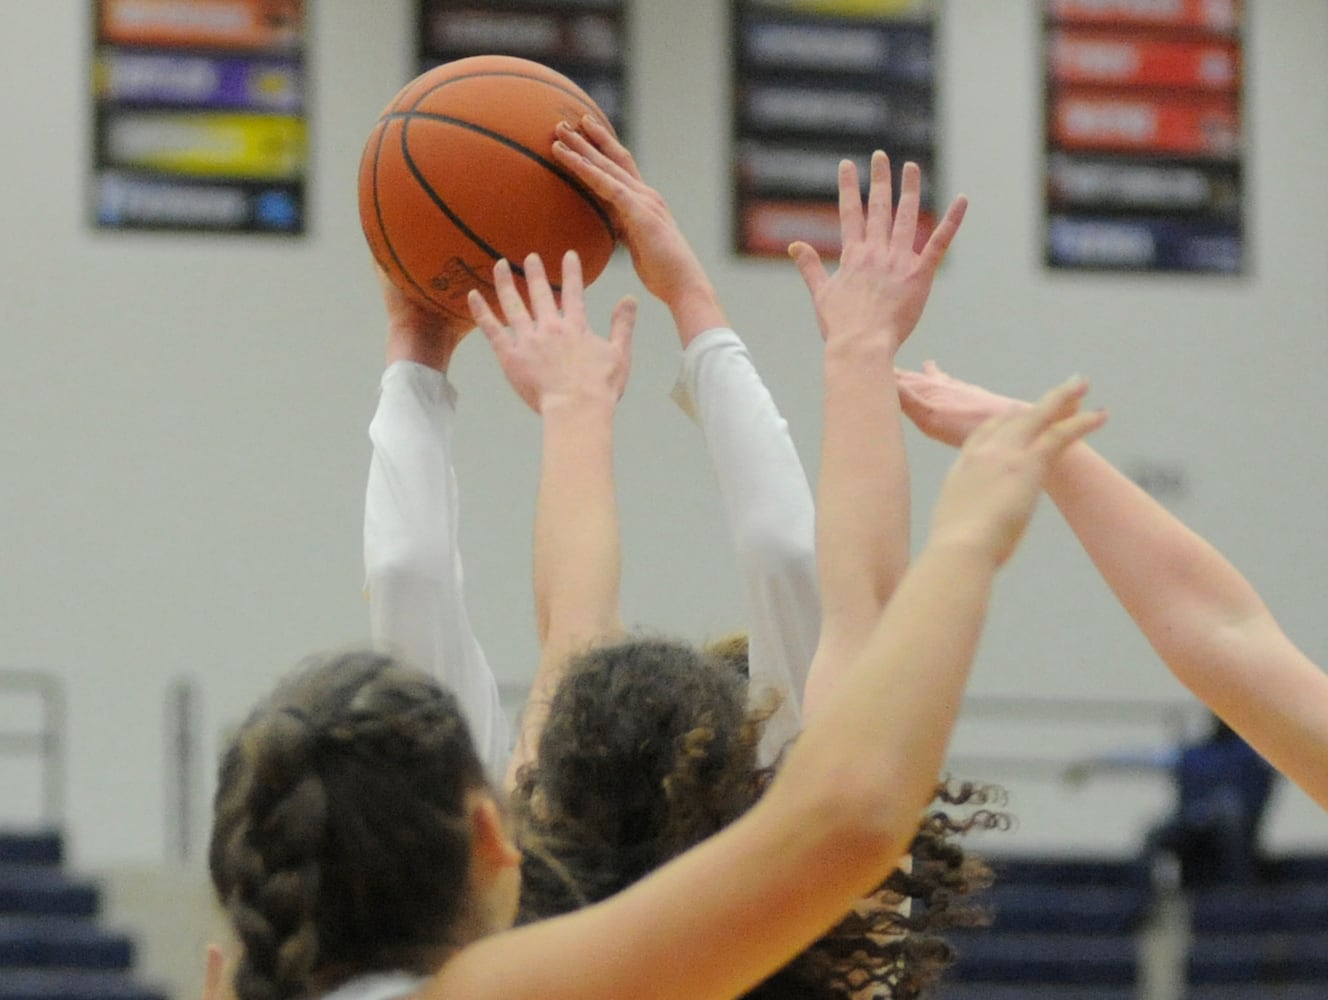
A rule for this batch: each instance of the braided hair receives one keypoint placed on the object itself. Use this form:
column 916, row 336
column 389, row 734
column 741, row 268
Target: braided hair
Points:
column 650, row 747
column 341, row 837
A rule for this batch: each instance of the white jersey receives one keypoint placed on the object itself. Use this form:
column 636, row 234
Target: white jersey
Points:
column 771, row 518
column 378, row 986
column 413, row 574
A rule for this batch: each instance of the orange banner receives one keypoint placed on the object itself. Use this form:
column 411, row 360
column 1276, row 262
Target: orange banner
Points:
column 1209, row 15
column 230, row 24
column 1202, row 126
column 1090, row 57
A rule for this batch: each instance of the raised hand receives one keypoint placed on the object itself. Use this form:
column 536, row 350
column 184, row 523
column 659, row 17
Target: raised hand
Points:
column 882, row 283
column 549, row 354
column 664, row 260
column 988, row 497
column 945, row 408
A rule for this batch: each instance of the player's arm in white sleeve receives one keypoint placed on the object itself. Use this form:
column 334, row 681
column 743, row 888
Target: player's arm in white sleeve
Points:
column 767, row 500
column 413, row 570
column 771, row 518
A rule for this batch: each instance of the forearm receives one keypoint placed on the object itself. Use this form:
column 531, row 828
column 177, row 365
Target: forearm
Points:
column 1201, row 615
column 412, row 560
column 885, row 727
column 577, row 559
column 1184, row 595
column 862, row 520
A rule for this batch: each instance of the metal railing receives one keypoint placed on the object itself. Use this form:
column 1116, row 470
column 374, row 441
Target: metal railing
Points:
column 46, row 742
column 1169, row 722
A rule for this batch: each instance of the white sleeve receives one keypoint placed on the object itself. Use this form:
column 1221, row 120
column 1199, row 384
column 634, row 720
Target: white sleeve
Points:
column 771, row 517
column 412, row 564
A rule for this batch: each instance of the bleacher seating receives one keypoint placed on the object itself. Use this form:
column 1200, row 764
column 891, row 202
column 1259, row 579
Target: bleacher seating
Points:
column 1062, row 927
column 1268, row 940
column 51, row 944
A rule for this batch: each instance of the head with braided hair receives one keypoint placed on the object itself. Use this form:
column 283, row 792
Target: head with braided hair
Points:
column 354, row 830
column 650, row 747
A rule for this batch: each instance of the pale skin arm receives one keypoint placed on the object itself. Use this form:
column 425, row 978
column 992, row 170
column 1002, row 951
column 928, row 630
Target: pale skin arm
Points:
column 865, row 310
column 763, row 486
column 661, row 255
column 573, row 379
column 1200, row 614
column 715, row 921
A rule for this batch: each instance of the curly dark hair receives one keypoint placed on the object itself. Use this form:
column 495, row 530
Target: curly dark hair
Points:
column 352, row 764
column 650, row 747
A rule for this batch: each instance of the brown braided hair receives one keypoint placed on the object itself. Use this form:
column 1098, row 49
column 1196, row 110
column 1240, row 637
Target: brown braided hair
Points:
column 353, row 764
column 650, row 747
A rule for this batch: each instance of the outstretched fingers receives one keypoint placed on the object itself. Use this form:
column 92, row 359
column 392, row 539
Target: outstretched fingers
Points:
column 852, row 227
column 910, row 199
column 1055, row 421
column 880, row 199
column 944, row 233
column 616, row 162
column 605, row 142
column 542, row 302
column 574, row 290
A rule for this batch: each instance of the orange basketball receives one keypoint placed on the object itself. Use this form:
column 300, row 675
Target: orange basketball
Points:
column 458, row 172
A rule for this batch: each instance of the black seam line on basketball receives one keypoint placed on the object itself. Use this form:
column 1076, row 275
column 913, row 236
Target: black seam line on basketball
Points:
column 469, row 233
column 511, row 74
column 382, row 226
column 568, row 178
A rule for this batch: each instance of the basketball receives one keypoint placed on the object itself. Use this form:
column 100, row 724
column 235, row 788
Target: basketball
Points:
column 458, row 173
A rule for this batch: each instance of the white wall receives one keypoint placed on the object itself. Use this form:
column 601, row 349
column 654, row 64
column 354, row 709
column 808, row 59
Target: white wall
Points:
column 182, row 421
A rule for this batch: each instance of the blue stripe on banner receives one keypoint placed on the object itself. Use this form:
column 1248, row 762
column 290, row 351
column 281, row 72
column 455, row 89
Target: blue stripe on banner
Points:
column 1145, row 244
column 131, row 201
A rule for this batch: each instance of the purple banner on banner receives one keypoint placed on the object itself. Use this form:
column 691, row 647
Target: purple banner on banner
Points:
column 197, row 81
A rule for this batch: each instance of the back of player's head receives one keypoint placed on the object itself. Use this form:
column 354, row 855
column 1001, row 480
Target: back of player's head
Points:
column 341, row 835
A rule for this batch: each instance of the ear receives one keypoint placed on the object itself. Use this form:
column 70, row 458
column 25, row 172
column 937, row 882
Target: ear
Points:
column 490, row 843
column 214, row 973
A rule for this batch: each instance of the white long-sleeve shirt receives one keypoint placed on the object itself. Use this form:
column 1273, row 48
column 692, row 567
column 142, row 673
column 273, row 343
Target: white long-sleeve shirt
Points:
column 414, row 579
column 413, row 564
column 771, row 518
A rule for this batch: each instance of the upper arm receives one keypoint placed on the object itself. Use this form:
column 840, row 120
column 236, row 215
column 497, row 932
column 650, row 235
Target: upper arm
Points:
column 770, row 515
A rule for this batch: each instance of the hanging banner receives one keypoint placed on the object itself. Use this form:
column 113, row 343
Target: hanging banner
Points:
column 816, row 82
column 1144, row 135
column 199, row 115
column 585, row 40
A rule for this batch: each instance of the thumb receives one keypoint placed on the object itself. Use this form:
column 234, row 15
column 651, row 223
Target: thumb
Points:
column 808, row 263
column 488, row 322
column 621, row 325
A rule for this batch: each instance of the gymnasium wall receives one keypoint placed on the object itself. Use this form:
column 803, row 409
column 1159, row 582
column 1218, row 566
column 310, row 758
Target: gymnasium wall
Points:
column 183, row 419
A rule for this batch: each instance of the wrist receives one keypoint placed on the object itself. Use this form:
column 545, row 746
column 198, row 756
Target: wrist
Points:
column 580, row 406
column 431, row 350
column 696, row 308
column 861, row 351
